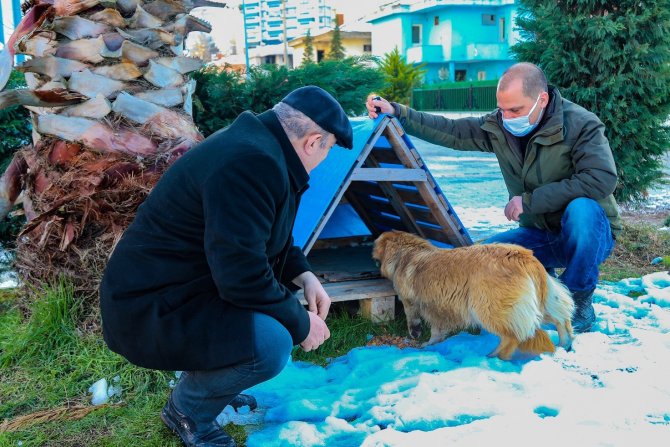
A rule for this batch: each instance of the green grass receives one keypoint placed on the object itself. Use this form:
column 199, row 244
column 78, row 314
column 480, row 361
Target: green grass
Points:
column 46, row 363
column 348, row 332
column 637, row 246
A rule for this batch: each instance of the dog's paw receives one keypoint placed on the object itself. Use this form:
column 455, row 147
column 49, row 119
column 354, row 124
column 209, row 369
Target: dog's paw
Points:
column 432, row 341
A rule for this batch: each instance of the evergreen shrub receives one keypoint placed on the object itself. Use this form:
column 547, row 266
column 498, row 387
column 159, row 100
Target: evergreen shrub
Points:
column 221, row 96
column 612, row 58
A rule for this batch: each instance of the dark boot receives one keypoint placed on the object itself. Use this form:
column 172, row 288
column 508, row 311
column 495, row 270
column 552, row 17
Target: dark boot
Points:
column 242, row 400
column 209, row 435
column 584, row 316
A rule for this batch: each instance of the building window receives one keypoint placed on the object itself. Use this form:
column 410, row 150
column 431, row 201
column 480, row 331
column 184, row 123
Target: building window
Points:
column 481, row 76
column 416, row 34
column 488, row 19
column 272, row 59
column 367, row 48
column 436, row 20
column 460, row 75
column 320, row 54
column 502, row 29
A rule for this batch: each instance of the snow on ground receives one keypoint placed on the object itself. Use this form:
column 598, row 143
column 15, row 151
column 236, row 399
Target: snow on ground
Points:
column 611, row 389
column 8, row 277
column 473, row 185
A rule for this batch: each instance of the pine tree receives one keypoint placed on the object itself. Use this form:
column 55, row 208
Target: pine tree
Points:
column 336, row 49
column 613, row 58
column 308, row 57
column 400, row 77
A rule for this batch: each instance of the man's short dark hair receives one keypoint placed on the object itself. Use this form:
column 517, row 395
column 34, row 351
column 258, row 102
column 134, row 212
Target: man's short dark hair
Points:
column 533, row 79
column 296, row 124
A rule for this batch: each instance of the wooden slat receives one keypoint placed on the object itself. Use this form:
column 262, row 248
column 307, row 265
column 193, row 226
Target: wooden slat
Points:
column 398, row 128
column 335, row 200
column 366, row 188
column 410, row 195
column 386, row 156
column 423, row 214
column 362, row 210
column 363, row 189
column 378, row 206
column 389, row 174
column 387, row 222
column 397, row 203
column 355, row 260
column 356, row 290
column 453, row 231
column 379, row 310
column 347, row 241
column 436, row 234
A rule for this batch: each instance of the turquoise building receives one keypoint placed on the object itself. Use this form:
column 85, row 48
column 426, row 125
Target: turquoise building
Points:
column 459, row 40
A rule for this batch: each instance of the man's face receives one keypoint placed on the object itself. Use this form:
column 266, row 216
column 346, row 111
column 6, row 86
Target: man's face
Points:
column 513, row 103
column 318, row 151
column 324, row 148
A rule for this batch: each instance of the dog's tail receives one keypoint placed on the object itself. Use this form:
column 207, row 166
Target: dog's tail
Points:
column 559, row 301
column 559, row 309
column 538, row 343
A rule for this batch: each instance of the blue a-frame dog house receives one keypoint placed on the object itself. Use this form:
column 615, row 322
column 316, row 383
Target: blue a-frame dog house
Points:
column 354, row 196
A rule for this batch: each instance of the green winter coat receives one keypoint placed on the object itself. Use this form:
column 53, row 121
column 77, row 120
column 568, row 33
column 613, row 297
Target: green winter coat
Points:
column 568, row 157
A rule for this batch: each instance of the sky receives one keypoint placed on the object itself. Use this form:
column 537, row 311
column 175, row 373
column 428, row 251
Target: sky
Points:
column 227, row 22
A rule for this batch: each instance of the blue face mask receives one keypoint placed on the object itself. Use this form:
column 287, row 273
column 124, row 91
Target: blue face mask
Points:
column 521, row 126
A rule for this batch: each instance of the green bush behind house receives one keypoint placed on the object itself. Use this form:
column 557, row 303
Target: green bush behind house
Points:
column 613, row 58
column 221, row 96
column 14, row 124
column 15, row 129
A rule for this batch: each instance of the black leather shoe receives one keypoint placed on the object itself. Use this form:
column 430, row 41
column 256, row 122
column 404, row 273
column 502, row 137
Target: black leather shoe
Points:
column 584, row 316
column 210, row 435
column 242, row 400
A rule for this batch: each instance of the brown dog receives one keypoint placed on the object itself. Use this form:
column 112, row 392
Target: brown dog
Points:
column 500, row 287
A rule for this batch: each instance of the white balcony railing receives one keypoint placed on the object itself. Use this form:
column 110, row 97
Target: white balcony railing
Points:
column 425, row 53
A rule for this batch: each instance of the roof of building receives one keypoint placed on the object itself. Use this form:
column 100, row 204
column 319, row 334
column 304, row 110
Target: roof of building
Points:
column 326, row 36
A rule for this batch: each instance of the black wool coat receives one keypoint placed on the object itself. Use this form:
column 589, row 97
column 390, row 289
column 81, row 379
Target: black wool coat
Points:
column 210, row 245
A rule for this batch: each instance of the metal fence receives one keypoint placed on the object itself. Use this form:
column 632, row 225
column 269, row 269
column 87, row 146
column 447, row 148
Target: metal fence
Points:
column 480, row 98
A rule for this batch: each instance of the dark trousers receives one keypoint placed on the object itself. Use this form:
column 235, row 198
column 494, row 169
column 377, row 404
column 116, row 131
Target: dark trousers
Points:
column 202, row 395
column 584, row 242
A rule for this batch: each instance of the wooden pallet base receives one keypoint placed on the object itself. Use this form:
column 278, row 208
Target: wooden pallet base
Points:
column 376, row 296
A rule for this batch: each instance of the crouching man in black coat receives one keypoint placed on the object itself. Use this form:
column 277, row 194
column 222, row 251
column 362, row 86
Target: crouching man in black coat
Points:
column 203, row 280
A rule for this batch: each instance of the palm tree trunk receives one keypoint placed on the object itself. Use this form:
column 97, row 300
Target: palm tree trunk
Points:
column 110, row 103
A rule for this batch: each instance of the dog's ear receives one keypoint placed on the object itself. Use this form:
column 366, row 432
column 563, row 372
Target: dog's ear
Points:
column 380, row 247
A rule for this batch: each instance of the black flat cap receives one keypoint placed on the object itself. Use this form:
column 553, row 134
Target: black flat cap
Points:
column 324, row 110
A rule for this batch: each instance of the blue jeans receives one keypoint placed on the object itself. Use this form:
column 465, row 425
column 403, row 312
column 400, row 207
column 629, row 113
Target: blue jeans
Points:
column 584, row 242
column 202, row 395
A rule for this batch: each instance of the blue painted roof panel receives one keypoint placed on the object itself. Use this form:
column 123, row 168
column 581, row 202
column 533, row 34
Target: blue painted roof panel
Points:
column 326, row 180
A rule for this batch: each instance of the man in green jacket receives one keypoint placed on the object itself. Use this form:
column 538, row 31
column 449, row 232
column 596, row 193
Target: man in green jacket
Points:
column 558, row 169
